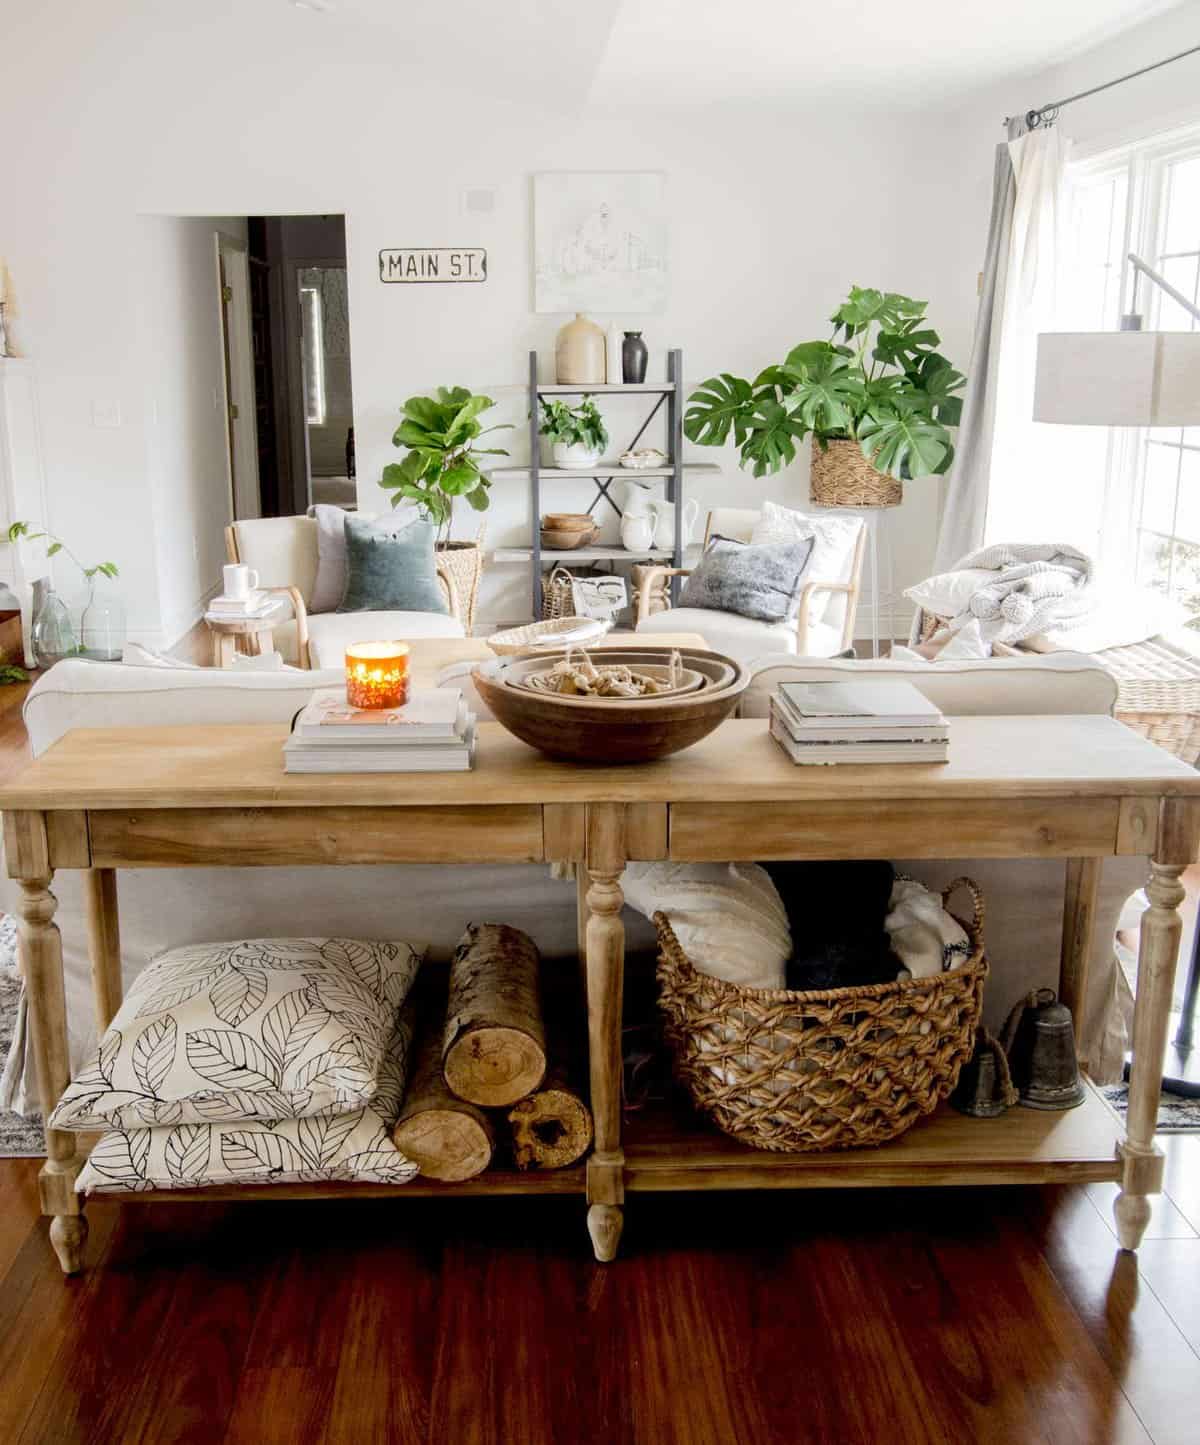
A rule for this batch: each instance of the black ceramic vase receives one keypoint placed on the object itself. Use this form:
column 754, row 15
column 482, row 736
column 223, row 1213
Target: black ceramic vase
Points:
column 633, row 358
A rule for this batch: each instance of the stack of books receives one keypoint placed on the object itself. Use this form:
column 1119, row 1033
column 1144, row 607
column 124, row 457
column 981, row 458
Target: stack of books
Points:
column 881, row 721
column 256, row 603
column 432, row 733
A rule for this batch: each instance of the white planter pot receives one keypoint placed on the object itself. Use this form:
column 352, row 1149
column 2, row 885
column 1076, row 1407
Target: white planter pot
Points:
column 574, row 454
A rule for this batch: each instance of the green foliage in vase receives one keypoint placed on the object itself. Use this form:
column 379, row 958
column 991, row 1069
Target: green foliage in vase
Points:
column 879, row 380
column 580, row 425
column 54, row 545
column 442, row 462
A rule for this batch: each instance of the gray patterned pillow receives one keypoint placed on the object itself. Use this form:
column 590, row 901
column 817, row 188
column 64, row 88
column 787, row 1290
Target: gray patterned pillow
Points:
column 353, row 1147
column 264, row 1028
column 759, row 581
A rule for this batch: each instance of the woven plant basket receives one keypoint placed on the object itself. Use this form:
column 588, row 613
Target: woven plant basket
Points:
column 842, row 477
column 834, row 1069
column 558, row 600
column 464, row 562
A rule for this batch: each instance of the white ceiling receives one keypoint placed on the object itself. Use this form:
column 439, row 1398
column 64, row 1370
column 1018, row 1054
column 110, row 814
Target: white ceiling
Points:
column 700, row 51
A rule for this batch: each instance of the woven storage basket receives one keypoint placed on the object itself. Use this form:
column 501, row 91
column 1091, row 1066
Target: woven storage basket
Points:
column 558, row 600
column 464, row 562
column 545, row 634
column 832, row 1069
column 842, row 477
column 1158, row 688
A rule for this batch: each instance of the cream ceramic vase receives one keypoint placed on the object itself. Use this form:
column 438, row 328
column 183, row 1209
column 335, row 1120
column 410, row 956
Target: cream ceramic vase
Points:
column 579, row 353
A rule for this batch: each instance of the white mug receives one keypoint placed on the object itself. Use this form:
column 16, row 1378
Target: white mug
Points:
column 240, row 581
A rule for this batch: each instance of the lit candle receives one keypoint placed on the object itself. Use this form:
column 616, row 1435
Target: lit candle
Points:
column 377, row 674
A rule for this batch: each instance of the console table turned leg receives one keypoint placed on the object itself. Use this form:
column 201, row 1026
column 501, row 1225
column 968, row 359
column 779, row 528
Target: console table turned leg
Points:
column 42, row 966
column 1142, row 1162
column 605, row 977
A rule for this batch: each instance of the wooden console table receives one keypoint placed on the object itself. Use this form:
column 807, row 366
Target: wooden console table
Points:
column 1079, row 788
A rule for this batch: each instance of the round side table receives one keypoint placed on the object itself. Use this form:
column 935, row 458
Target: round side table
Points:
column 251, row 635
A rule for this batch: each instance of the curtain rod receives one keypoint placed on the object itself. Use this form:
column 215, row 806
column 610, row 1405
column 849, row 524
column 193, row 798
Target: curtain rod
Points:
column 1048, row 114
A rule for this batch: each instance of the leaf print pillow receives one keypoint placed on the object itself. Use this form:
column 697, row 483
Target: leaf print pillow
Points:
column 262, row 1028
column 354, row 1147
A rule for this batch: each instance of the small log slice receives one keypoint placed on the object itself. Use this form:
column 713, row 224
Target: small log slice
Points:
column 445, row 1137
column 552, row 1127
column 494, row 1048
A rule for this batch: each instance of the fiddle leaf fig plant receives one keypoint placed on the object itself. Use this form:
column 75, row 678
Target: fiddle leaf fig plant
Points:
column 879, row 381
column 442, row 461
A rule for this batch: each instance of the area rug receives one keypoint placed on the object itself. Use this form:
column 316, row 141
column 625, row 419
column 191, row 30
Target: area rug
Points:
column 20, row 1138
column 1176, row 1115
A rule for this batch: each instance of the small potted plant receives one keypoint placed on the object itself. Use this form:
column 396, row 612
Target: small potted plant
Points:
column 53, row 635
column 439, row 433
column 877, row 399
column 577, row 433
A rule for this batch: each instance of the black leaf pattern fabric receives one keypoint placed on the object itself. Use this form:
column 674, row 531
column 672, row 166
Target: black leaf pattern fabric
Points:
column 251, row 1030
column 348, row 1147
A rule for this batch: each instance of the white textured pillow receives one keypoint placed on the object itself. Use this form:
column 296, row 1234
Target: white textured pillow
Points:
column 1122, row 616
column 948, row 594
column 264, row 1028
column 354, row 1147
column 833, row 549
column 728, row 917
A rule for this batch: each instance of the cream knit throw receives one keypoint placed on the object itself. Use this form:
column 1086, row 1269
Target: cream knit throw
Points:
column 1038, row 586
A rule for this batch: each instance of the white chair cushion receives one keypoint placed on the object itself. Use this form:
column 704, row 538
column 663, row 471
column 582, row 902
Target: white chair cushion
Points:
column 742, row 638
column 283, row 550
column 330, row 632
column 993, row 686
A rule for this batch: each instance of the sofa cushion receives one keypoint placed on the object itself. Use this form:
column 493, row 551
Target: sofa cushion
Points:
column 354, row 1147
column 329, row 633
column 759, row 582
column 742, row 638
column 261, row 1028
column 836, row 539
column 330, row 581
column 390, row 569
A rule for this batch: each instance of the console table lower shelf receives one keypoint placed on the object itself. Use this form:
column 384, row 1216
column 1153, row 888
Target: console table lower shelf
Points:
column 670, row 1148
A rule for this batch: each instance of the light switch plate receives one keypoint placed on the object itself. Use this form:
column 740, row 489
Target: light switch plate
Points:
column 106, row 413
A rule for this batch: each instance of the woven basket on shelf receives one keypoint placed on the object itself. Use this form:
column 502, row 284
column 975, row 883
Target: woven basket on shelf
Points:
column 1158, row 688
column 551, row 633
column 831, row 1069
column 464, row 562
column 842, row 477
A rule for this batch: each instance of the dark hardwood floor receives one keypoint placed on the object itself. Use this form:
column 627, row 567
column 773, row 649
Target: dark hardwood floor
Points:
column 887, row 1316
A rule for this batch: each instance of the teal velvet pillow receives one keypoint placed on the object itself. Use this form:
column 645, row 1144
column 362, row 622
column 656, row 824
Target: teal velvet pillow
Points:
column 389, row 570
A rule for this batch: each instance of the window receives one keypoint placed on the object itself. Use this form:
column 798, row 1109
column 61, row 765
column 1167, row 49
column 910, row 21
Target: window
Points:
column 1144, row 198
column 312, row 327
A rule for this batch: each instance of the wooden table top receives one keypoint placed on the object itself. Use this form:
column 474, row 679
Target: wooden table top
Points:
column 242, row 766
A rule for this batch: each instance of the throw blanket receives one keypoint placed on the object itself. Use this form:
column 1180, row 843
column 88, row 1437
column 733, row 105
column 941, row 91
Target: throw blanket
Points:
column 1038, row 586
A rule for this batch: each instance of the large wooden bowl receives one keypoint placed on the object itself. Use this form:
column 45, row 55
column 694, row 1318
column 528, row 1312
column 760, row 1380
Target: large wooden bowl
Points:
column 606, row 730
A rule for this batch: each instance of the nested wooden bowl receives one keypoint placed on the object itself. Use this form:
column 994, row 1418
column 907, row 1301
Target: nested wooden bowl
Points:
column 613, row 730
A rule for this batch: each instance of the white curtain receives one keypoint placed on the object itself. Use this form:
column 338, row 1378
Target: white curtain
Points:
column 1013, row 479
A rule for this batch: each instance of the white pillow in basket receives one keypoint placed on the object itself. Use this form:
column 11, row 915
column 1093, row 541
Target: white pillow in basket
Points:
column 263, row 1028
column 354, row 1147
column 949, row 593
column 833, row 550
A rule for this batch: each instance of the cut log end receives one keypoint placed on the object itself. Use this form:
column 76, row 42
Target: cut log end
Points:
column 445, row 1144
column 550, row 1130
column 494, row 1067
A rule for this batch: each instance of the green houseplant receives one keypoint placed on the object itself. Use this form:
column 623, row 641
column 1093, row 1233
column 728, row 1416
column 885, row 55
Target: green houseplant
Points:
column 577, row 433
column 877, row 398
column 53, row 633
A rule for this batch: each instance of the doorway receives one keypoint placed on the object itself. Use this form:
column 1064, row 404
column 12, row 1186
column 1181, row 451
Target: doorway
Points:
column 300, row 331
column 241, row 429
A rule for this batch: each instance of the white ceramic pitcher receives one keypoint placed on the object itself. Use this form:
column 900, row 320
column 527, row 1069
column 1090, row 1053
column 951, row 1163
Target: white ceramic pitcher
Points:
column 637, row 500
column 638, row 528
column 664, row 527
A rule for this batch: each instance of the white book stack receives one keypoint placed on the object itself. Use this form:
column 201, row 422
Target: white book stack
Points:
column 256, row 603
column 881, row 721
column 432, row 733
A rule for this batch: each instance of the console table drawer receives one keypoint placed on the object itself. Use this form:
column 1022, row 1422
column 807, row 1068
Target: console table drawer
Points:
column 285, row 837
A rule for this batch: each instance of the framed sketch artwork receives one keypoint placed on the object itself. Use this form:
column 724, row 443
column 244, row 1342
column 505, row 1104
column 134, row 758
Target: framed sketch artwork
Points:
column 599, row 241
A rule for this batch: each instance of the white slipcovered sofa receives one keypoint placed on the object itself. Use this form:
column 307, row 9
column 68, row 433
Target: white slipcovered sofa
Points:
column 164, row 907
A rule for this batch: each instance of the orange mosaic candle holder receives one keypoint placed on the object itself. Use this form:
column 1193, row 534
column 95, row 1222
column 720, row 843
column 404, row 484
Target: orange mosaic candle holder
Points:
column 377, row 674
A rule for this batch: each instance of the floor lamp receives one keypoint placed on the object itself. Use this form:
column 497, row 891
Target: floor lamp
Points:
column 1135, row 378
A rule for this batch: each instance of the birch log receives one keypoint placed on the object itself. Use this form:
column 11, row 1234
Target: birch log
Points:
column 552, row 1127
column 494, row 1048
column 445, row 1137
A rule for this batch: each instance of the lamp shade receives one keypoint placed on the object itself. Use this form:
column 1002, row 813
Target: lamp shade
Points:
column 1118, row 378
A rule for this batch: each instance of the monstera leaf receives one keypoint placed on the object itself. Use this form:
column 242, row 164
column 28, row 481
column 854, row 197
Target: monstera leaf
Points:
column 722, row 403
column 771, row 441
column 904, row 443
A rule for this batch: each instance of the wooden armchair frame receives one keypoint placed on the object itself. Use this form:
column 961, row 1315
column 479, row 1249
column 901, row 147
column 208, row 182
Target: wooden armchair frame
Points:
column 653, row 587
column 300, row 609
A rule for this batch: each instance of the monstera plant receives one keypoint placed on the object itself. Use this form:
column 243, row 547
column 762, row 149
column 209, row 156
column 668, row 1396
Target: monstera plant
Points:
column 879, row 381
column 439, row 433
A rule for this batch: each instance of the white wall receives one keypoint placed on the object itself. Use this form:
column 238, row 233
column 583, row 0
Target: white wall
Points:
column 774, row 213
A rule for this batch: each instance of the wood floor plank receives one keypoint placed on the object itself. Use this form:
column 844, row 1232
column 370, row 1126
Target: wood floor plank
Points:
column 18, row 1206
column 1171, row 1267
column 1167, row 1220
column 284, row 1405
column 1182, row 1176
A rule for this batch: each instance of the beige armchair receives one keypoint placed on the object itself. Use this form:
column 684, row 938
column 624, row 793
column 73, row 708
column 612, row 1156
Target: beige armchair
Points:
column 823, row 625
column 283, row 550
